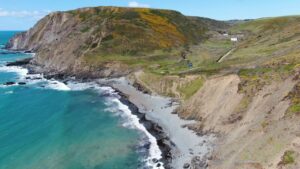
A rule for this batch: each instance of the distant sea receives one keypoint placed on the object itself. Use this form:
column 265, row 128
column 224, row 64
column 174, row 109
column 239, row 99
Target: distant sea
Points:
column 47, row 124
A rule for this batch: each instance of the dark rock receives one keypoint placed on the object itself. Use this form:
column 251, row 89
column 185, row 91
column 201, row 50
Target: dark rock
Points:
column 9, row 83
column 20, row 62
column 143, row 117
column 139, row 87
column 27, row 51
column 197, row 162
column 158, row 165
column 36, row 78
column 174, row 112
column 147, row 145
column 186, row 165
column 154, row 160
column 22, row 83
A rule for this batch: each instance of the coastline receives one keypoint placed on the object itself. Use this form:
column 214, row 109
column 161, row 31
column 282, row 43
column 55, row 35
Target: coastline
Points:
column 188, row 149
column 180, row 147
column 154, row 129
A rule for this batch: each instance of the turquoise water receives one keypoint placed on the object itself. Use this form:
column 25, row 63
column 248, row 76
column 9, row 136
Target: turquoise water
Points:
column 42, row 127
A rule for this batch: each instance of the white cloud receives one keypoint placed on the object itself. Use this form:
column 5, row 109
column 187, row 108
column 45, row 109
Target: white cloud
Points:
column 137, row 5
column 23, row 14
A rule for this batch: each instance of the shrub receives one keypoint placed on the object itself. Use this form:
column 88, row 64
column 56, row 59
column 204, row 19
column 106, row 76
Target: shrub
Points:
column 288, row 158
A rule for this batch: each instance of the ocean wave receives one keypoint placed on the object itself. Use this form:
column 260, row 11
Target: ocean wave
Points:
column 102, row 90
column 116, row 106
column 33, row 79
column 14, row 69
column 132, row 122
column 56, row 85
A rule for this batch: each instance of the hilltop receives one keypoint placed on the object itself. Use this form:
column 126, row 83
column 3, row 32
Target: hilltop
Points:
column 80, row 40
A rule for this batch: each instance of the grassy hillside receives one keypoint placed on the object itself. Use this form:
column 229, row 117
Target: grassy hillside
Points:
column 268, row 39
column 149, row 34
column 267, row 42
column 268, row 52
column 139, row 37
column 90, row 38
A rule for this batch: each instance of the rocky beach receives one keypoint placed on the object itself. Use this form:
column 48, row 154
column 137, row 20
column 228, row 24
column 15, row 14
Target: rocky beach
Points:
column 180, row 146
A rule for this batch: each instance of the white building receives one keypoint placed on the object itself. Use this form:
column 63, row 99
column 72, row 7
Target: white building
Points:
column 234, row 39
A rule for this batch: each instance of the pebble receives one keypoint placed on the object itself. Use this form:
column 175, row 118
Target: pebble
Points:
column 186, row 165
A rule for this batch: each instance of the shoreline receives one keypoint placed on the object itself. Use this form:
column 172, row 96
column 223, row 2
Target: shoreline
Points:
column 180, row 147
column 188, row 149
column 163, row 142
column 154, row 129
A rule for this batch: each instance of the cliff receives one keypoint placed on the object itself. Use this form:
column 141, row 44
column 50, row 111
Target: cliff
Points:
column 103, row 41
column 251, row 100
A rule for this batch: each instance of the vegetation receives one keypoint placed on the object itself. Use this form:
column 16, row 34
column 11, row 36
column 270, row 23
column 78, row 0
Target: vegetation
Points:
column 172, row 85
column 288, row 158
column 154, row 40
column 294, row 96
column 265, row 39
column 150, row 38
column 138, row 31
column 191, row 88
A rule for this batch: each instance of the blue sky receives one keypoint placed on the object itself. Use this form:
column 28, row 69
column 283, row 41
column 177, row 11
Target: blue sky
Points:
column 22, row 14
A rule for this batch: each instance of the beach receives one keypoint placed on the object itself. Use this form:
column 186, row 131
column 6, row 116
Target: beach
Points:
column 187, row 148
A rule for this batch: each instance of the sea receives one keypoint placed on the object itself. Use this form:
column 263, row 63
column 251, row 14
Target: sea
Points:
column 47, row 124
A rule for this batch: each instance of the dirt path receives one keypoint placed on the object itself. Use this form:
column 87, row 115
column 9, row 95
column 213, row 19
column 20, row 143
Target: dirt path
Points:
column 227, row 54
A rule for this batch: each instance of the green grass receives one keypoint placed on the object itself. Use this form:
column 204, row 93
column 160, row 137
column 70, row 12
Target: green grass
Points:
column 227, row 44
column 85, row 29
column 295, row 109
column 254, row 72
column 288, row 157
column 265, row 39
column 294, row 96
column 191, row 88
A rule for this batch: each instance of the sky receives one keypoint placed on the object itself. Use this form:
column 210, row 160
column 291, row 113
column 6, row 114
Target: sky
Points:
column 23, row 14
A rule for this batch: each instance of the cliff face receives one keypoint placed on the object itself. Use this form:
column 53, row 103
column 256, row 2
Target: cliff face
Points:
column 256, row 133
column 80, row 41
column 52, row 40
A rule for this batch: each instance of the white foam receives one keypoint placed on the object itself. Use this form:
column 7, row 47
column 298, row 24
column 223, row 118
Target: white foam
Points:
column 56, row 85
column 75, row 86
column 133, row 123
column 34, row 78
column 14, row 69
column 80, row 86
column 9, row 92
column 6, row 86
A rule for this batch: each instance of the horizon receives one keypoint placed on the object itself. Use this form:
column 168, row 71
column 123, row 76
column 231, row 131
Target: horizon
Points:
column 21, row 16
